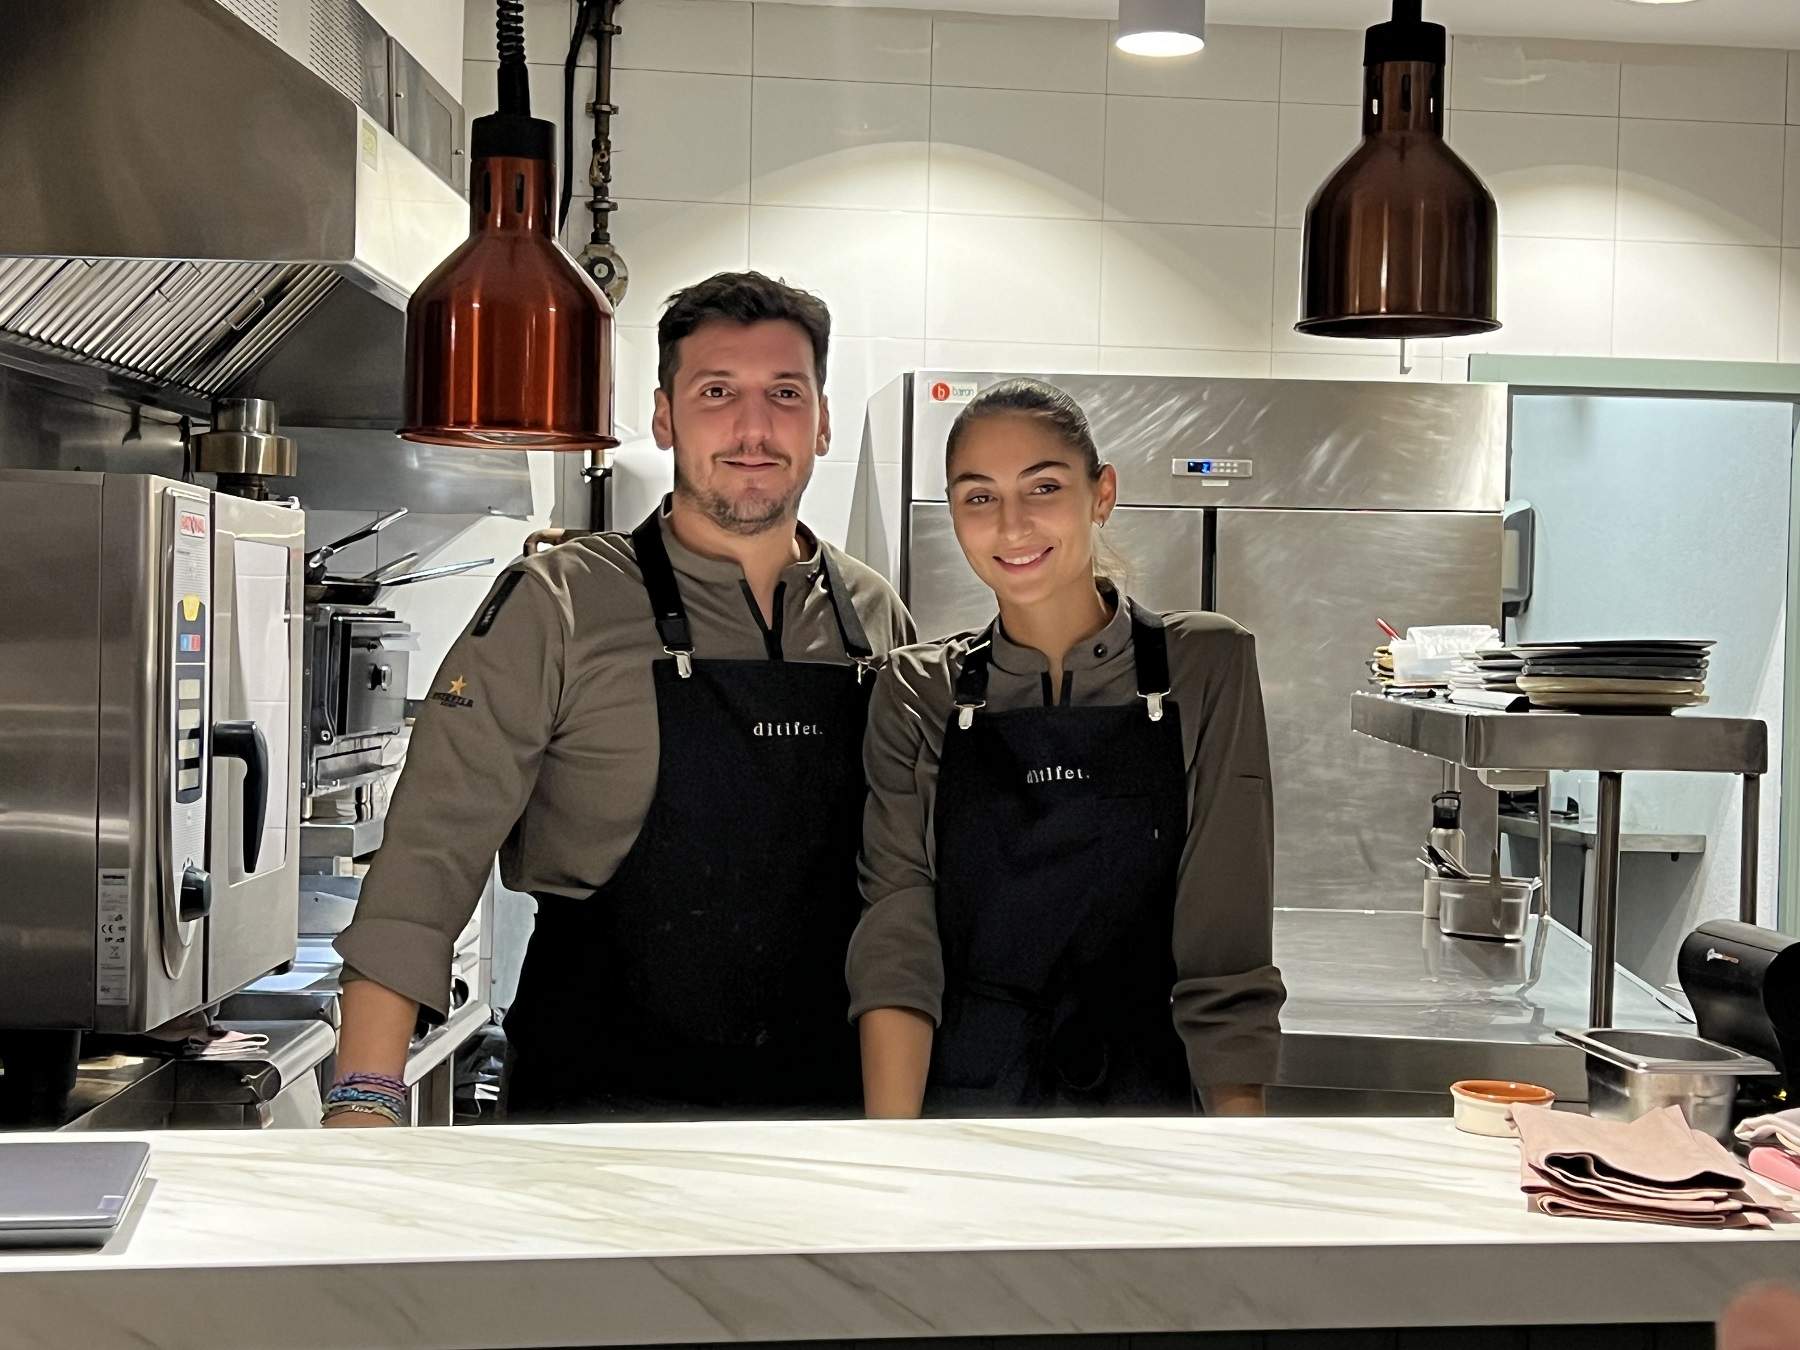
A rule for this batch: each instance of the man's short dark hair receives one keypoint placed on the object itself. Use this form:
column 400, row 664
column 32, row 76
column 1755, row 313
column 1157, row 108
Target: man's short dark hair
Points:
column 738, row 297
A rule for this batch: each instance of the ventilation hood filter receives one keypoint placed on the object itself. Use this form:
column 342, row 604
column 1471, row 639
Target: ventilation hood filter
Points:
column 170, row 234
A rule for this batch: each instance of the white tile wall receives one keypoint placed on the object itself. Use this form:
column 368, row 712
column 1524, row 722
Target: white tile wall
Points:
column 1700, row 182
column 1714, row 84
column 1011, row 192
column 992, row 52
column 695, row 147
column 1226, row 173
column 868, row 266
column 1790, row 306
column 1571, row 193
column 1000, row 279
column 1711, row 301
column 701, row 36
column 1321, row 66
column 1186, row 286
column 1238, row 63
column 819, row 42
column 1010, row 152
column 1538, row 75
column 838, row 143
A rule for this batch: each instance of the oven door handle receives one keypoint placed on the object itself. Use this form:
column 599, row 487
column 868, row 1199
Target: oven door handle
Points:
column 244, row 741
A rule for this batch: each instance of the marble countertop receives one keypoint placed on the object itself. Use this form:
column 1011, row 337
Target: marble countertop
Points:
column 605, row 1235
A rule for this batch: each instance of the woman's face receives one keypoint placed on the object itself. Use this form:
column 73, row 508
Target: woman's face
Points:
column 1025, row 509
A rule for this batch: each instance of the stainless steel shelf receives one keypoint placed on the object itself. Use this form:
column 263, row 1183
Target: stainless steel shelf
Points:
column 1544, row 741
column 1583, row 833
column 1613, row 744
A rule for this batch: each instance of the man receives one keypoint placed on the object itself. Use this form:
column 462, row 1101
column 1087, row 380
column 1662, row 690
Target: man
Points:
column 664, row 730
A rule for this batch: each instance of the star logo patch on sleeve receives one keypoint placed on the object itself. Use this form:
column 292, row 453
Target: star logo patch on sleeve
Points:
column 453, row 696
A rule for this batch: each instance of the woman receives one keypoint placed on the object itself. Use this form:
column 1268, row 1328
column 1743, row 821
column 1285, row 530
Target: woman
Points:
column 1067, row 847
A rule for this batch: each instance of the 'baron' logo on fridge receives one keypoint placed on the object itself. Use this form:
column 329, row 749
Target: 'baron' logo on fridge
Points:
column 191, row 523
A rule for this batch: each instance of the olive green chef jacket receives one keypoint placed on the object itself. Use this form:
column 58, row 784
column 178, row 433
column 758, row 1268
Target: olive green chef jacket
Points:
column 1227, row 996
column 539, row 738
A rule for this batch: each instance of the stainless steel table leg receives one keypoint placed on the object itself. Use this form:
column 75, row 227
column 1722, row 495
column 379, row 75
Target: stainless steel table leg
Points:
column 1544, row 844
column 1752, row 842
column 1606, row 900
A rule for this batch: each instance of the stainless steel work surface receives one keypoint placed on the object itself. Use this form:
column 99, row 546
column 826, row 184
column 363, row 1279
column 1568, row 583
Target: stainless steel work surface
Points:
column 1616, row 743
column 1583, row 833
column 1381, row 1001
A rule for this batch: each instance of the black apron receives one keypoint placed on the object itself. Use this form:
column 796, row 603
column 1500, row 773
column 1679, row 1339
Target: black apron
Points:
column 1059, row 832
column 705, row 979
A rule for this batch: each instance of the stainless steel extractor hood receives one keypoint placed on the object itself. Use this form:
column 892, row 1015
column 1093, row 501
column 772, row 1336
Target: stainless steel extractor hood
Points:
column 189, row 181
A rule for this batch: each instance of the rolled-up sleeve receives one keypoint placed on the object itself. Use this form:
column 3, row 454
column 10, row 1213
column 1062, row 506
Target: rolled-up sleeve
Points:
column 470, row 768
column 1228, row 993
column 895, row 960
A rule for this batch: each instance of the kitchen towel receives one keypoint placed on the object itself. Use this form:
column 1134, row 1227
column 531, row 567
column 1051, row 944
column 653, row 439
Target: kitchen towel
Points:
column 1781, row 1130
column 1654, row 1169
column 1778, row 1165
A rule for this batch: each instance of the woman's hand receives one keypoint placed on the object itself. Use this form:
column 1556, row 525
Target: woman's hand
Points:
column 1233, row 1099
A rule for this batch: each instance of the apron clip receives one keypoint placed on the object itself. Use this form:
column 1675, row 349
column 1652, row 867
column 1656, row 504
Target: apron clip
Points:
column 965, row 713
column 684, row 661
column 1155, row 702
column 865, row 665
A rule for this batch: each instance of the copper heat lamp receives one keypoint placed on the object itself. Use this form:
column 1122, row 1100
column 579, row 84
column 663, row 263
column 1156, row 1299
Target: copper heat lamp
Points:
column 1401, row 238
column 508, row 343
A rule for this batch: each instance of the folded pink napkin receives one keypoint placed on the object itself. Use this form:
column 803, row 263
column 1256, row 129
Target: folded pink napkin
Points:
column 1778, row 1166
column 1655, row 1169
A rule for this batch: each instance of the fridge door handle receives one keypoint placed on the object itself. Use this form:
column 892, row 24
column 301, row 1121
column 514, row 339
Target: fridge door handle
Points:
column 244, row 741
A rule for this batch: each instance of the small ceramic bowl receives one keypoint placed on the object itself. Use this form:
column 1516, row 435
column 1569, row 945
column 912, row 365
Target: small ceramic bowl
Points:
column 1484, row 1105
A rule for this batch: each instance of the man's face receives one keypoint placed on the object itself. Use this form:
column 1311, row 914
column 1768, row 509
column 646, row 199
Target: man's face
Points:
column 745, row 418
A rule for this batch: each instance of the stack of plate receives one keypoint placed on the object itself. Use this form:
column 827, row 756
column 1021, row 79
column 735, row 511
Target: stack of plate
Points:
column 1619, row 675
column 1489, row 679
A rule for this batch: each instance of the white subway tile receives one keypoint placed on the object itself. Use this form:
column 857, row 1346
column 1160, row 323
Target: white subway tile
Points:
column 1356, row 366
column 1003, row 279
column 634, row 381
column 860, row 368
column 824, row 42
column 1790, row 228
column 1703, row 84
column 830, row 143
column 1555, row 299
column 868, row 266
column 1237, row 63
column 1315, row 139
column 829, row 497
column 1186, row 286
column 1012, row 52
column 702, row 36
column 669, row 245
column 1189, row 361
column 1225, row 174
column 1009, row 152
column 1697, row 302
column 685, row 138
column 1700, row 182
column 1539, row 75
column 1790, row 310
column 1022, row 358
column 1793, row 97
column 1321, row 65
column 1551, row 175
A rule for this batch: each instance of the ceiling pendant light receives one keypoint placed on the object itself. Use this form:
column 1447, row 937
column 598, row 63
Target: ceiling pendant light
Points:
column 1161, row 27
column 1401, row 239
column 508, row 342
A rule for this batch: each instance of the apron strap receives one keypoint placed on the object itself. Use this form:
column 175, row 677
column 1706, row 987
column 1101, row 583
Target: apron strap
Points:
column 849, row 622
column 1150, row 649
column 665, row 596
column 972, row 680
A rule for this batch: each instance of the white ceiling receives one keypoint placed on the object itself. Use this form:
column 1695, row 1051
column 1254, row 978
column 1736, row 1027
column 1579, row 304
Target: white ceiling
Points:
column 1727, row 23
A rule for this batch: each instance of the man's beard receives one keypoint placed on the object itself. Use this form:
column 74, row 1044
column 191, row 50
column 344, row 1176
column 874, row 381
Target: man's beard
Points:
column 752, row 516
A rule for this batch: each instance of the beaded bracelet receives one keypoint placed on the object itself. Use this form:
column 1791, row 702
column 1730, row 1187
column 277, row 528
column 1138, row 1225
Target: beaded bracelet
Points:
column 394, row 1086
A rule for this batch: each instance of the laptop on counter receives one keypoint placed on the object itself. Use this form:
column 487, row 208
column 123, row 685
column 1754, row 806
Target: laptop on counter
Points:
column 67, row 1192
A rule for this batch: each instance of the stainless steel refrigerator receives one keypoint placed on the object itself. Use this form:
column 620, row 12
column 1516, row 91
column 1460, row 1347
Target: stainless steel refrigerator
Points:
column 1303, row 509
